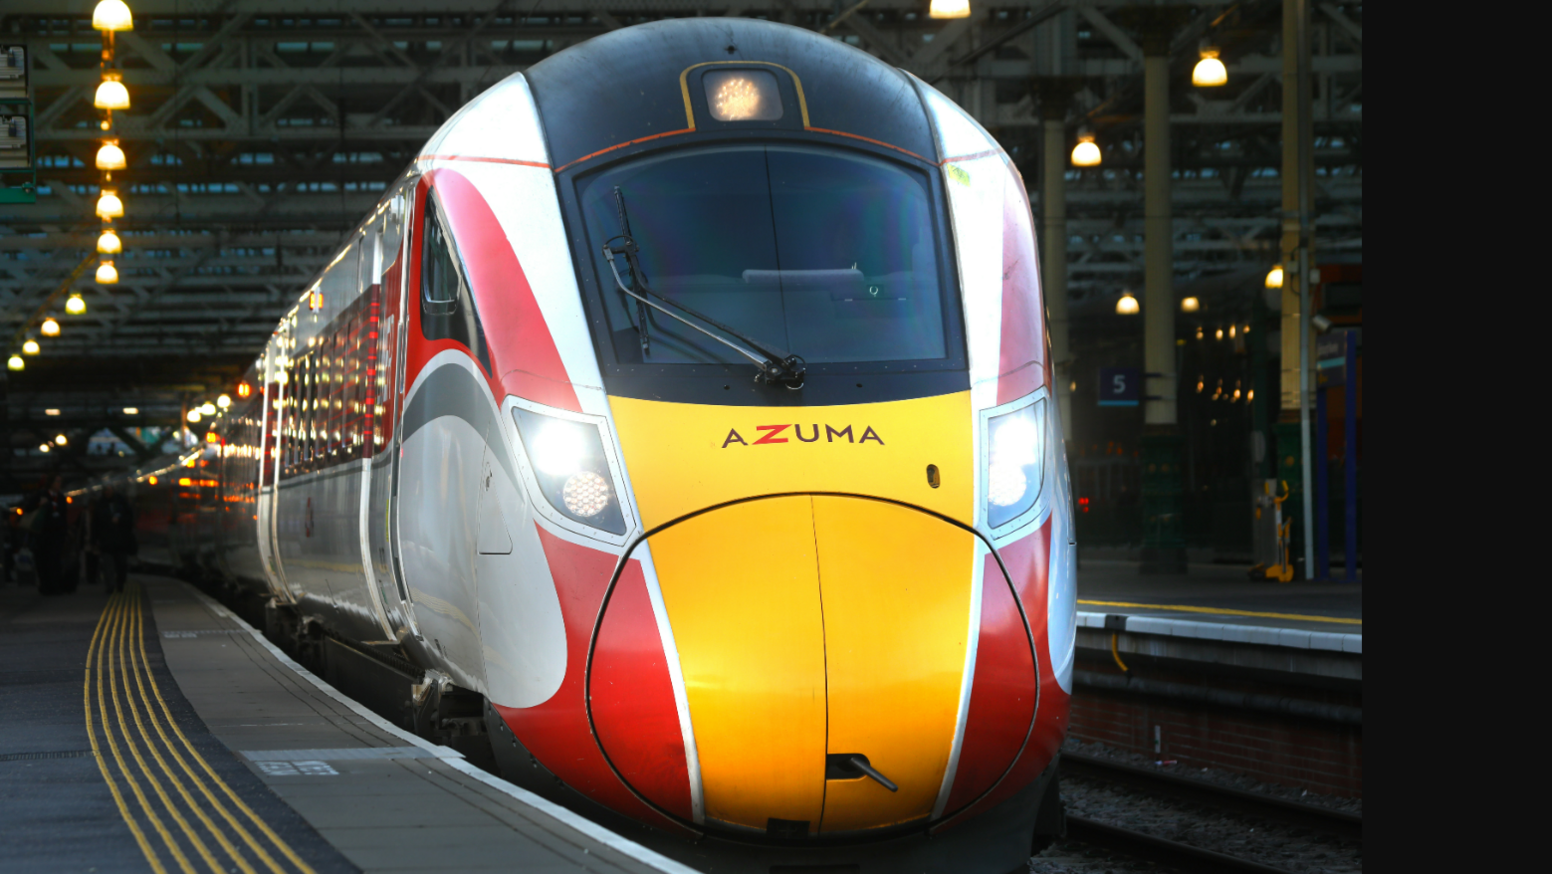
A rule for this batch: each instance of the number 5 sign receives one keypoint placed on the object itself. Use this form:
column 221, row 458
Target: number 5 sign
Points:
column 1120, row 386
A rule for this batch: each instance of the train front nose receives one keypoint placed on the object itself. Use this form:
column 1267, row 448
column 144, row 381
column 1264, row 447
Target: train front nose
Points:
column 811, row 630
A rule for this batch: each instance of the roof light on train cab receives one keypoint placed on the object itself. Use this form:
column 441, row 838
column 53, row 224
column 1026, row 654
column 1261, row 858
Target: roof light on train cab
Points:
column 207, row 408
column 224, row 401
column 1086, row 153
column 193, row 416
column 949, row 9
column 112, row 15
column 743, row 95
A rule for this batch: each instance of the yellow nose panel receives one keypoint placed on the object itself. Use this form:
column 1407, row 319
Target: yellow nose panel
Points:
column 686, row 457
column 741, row 587
column 896, row 587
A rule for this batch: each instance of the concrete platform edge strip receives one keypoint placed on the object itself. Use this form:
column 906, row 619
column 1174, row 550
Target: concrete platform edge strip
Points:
column 454, row 759
column 1287, row 637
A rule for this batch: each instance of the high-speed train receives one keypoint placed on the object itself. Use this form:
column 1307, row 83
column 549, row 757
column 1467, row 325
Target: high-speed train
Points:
column 688, row 398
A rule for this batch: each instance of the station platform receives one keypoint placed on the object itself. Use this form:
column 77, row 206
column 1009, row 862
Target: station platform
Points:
column 1219, row 594
column 155, row 731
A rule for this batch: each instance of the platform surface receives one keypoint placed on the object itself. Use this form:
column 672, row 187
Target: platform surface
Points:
column 338, row 788
column 1221, row 594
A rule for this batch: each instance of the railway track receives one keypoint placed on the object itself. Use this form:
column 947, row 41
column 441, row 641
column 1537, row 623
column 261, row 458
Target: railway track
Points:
column 1340, row 824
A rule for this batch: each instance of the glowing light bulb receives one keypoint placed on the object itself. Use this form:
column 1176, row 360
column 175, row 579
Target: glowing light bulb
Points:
column 1127, row 305
column 75, row 305
column 949, row 9
column 1274, row 277
column 109, row 206
column 111, row 93
column 1190, row 305
column 50, row 328
column 107, row 274
column 207, row 408
column 1209, row 71
column 131, row 411
column 110, row 156
column 61, row 439
column 1086, row 153
column 224, row 401
column 16, row 363
column 737, row 99
column 31, row 347
column 109, row 243
column 112, row 15
column 193, row 417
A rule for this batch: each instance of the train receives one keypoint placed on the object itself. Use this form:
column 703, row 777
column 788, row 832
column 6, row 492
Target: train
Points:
column 688, row 403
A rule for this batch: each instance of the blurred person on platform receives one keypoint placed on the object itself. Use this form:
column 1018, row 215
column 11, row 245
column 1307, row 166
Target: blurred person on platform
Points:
column 51, row 537
column 113, row 531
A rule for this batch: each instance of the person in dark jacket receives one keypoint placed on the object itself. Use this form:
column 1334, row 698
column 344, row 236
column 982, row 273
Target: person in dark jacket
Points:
column 51, row 538
column 113, row 526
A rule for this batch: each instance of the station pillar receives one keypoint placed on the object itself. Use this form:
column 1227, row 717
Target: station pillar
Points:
column 1163, row 546
column 1293, row 432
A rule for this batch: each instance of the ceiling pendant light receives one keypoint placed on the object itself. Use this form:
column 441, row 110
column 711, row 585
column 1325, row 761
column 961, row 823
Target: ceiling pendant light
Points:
column 112, row 15
column 1190, row 305
column 109, row 206
column 50, row 328
column 30, row 347
column 110, row 156
column 107, row 274
column 111, row 94
column 1209, row 72
column 75, row 305
column 1127, row 305
column 1274, row 277
column 16, row 363
column 1086, row 153
column 949, row 9
column 109, row 243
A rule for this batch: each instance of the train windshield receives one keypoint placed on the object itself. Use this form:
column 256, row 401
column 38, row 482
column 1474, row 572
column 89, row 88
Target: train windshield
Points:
column 830, row 255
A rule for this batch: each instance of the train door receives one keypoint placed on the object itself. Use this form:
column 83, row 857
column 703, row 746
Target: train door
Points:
column 386, row 312
column 272, row 450
column 364, row 353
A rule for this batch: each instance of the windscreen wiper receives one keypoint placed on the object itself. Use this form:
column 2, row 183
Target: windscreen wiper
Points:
column 777, row 366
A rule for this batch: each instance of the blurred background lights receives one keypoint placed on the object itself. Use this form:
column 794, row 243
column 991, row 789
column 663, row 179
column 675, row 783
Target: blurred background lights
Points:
column 1190, row 305
column 1274, row 277
column 949, row 9
column 50, row 328
column 30, row 347
column 1209, row 71
column 107, row 274
column 1127, row 305
column 109, row 206
column 110, row 156
column 75, row 305
column 111, row 93
column 109, row 243
column 112, row 15
column 1086, row 153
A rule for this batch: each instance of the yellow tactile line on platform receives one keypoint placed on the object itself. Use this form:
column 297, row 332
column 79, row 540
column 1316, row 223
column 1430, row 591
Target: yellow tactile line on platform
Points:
column 1220, row 611
column 117, row 653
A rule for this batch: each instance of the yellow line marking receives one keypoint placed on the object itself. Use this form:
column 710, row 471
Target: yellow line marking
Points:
column 116, row 606
column 114, row 655
column 132, row 666
column 1219, row 611
column 263, row 827
column 91, row 732
column 142, row 664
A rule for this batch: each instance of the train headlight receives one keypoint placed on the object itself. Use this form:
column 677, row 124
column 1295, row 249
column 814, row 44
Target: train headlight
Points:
column 1015, row 462
column 571, row 468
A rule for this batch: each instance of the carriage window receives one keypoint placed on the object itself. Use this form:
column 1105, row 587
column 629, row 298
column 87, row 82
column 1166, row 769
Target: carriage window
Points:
column 438, row 273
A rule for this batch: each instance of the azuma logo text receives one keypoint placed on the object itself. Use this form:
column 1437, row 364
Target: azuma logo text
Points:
column 779, row 434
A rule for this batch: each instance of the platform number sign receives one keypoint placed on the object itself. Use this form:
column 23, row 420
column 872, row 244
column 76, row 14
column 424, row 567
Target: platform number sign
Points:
column 1120, row 386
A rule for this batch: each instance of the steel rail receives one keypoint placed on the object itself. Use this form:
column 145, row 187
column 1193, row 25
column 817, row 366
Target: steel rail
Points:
column 1335, row 822
column 1165, row 852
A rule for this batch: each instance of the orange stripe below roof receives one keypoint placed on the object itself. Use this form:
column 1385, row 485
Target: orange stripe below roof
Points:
column 514, row 161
